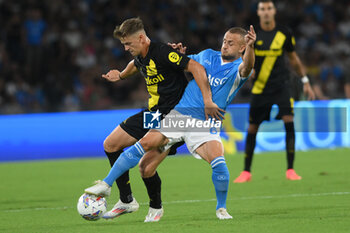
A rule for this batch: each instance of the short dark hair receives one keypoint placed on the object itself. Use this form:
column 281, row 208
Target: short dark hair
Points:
column 238, row 30
column 265, row 1
column 128, row 27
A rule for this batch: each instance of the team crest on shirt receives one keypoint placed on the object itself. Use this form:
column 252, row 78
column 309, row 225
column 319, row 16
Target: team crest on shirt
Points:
column 259, row 42
column 174, row 57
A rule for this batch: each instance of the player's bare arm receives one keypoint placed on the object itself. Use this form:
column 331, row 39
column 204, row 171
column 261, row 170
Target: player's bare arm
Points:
column 249, row 57
column 200, row 76
column 300, row 70
column 116, row 75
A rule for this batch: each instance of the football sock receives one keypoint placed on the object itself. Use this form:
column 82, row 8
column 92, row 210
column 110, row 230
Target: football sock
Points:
column 128, row 159
column 123, row 182
column 153, row 185
column 220, row 178
column 290, row 143
column 249, row 151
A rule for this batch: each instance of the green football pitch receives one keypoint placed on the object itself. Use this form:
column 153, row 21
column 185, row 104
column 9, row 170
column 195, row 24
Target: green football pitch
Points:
column 41, row 196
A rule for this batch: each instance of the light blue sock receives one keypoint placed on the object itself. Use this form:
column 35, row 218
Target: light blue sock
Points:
column 221, row 178
column 128, row 159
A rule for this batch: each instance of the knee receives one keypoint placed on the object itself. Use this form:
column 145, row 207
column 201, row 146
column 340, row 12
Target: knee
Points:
column 152, row 140
column 147, row 144
column 109, row 146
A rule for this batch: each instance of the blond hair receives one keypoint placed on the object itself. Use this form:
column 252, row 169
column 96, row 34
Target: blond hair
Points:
column 128, row 27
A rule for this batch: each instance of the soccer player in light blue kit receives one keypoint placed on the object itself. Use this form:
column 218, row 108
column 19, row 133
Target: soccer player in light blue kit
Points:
column 226, row 72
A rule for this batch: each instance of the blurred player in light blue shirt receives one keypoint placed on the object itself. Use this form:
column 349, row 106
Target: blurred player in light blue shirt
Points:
column 226, row 71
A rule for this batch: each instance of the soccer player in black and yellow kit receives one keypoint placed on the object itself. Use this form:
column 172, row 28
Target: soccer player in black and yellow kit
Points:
column 163, row 70
column 271, row 85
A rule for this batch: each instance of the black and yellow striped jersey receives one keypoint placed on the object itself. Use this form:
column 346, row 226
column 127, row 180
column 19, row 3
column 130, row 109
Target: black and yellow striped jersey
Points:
column 271, row 72
column 163, row 70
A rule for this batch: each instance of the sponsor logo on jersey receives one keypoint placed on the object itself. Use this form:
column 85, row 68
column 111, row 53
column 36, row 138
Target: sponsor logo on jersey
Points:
column 152, row 74
column 268, row 53
column 154, row 80
column 151, row 68
column 216, row 81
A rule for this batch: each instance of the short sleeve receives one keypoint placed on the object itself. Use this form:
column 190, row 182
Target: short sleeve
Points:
column 137, row 63
column 194, row 57
column 172, row 58
column 290, row 42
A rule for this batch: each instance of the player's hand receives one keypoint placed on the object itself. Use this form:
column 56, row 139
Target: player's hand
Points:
column 211, row 109
column 179, row 47
column 308, row 91
column 250, row 38
column 112, row 76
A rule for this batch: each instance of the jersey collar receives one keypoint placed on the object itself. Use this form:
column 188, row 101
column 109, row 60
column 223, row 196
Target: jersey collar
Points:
column 224, row 63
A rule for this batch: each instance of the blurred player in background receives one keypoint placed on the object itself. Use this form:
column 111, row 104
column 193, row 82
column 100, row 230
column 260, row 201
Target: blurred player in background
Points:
column 271, row 85
column 227, row 72
column 163, row 69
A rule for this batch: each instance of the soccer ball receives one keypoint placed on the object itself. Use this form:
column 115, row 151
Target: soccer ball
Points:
column 91, row 207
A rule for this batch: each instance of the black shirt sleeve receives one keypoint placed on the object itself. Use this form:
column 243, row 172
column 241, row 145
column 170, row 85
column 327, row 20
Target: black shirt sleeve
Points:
column 290, row 41
column 172, row 58
column 137, row 62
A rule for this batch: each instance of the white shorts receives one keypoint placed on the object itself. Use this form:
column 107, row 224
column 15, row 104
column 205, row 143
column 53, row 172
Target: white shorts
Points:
column 190, row 133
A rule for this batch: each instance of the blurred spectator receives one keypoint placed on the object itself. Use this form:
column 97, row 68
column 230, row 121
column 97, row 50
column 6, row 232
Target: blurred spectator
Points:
column 331, row 79
column 52, row 53
column 34, row 27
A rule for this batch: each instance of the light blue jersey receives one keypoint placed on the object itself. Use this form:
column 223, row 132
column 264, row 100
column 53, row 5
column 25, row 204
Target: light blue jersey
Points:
column 224, row 80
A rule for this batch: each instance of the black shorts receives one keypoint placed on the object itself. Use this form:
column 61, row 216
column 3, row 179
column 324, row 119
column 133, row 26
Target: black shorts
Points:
column 260, row 106
column 134, row 127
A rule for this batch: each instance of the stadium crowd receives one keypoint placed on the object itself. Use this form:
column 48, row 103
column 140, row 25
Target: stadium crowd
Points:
column 52, row 53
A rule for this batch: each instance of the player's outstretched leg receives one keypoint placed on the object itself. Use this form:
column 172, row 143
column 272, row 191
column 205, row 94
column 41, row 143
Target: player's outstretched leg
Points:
column 123, row 182
column 220, row 177
column 100, row 188
column 128, row 159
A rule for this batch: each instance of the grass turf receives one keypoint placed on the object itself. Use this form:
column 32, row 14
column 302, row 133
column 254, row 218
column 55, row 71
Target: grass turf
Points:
column 41, row 196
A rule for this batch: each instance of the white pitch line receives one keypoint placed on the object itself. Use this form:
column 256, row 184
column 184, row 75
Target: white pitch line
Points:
column 43, row 208
column 208, row 200
column 260, row 197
